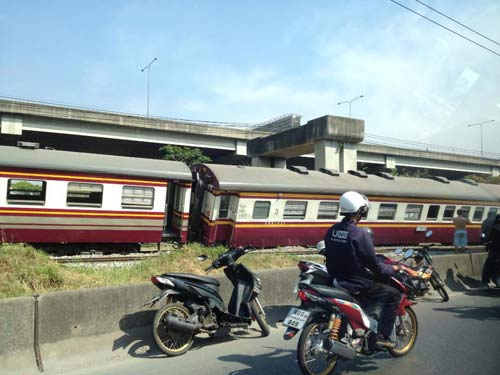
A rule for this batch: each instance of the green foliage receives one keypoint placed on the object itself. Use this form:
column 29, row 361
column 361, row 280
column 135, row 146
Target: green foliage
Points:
column 187, row 155
column 26, row 271
column 409, row 172
column 26, row 185
column 484, row 179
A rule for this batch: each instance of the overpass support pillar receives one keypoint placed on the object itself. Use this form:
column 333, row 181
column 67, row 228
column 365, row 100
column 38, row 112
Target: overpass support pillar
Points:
column 390, row 161
column 495, row 171
column 335, row 155
column 11, row 125
column 326, row 155
column 241, row 148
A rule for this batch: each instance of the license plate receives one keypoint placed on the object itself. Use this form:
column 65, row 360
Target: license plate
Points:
column 296, row 318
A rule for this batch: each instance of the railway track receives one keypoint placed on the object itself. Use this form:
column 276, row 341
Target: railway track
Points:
column 98, row 258
column 128, row 258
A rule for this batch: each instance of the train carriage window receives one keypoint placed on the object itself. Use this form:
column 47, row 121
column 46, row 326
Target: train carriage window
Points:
column 433, row 212
column 387, row 211
column 295, row 210
column 261, row 209
column 137, row 197
column 465, row 211
column 478, row 214
column 449, row 211
column 328, row 210
column 83, row 194
column 26, row 191
column 492, row 211
column 224, row 206
column 413, row 212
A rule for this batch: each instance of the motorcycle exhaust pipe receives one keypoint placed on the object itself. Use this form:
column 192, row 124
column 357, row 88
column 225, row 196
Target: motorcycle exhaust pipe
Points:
column 342, row 350
column 182, row 325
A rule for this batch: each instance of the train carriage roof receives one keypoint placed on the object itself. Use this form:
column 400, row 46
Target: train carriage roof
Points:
column 15, row 157
column 258, row 179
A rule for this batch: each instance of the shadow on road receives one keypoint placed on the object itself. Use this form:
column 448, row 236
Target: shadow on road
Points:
column 473, row 312
column 453, row 284
column 263, row 364
column 138, row 338
column 137, row 335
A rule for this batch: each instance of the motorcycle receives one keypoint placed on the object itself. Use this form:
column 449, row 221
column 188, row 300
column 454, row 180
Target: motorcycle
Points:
column 494, row 267
column 418, row 287
column 312, row 272
column 193, row 304
column 334, row 325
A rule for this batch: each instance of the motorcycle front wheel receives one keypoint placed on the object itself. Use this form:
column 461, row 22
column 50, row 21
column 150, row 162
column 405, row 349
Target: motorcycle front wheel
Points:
column 313, row 357
column 260, row 317
column 171, row 341
column 438, row 285
column 406, row 333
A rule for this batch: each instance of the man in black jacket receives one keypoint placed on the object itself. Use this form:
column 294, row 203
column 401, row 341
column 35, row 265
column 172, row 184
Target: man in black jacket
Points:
column 350, row 256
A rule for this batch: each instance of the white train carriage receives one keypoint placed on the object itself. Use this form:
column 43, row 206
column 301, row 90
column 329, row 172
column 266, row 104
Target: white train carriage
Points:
column 60, row 197
column 268, row 207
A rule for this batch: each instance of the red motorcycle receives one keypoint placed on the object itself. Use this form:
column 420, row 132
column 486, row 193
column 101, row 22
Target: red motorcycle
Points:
column 334, row 325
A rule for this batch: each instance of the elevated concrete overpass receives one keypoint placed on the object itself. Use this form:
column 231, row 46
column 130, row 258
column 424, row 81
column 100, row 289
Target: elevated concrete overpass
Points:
column 77, row 129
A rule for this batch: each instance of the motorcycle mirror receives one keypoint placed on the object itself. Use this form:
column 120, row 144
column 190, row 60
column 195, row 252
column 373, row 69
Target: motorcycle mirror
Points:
column 320, row 246
column 428, row 233
column 203, row 257
column 398, row 251
column 408, row 253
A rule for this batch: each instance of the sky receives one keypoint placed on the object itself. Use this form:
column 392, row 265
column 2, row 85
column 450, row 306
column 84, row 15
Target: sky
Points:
column 249, row 62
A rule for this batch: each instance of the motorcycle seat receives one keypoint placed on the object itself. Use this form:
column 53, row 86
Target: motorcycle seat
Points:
column 191, row 277
column 333, row 292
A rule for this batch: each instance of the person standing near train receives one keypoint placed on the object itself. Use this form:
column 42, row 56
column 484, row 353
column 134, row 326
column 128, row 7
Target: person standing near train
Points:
column 460, row 235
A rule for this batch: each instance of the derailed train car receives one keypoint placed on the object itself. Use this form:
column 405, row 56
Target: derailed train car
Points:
column 268, row 207
column 87, row 201
column 50, row 197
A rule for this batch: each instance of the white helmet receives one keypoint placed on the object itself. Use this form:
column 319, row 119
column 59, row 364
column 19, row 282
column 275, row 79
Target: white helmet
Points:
column 352, row 203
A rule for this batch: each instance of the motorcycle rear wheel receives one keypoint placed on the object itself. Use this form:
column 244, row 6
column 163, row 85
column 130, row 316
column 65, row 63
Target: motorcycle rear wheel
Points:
column 438, row 285
column 310, row 351
column 404, row 342
column 260, row 317
column 170, row 341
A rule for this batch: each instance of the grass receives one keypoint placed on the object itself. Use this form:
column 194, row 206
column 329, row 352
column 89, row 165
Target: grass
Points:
column 26, row 271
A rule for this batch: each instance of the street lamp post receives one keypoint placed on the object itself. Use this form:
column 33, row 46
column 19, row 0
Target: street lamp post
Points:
column 350, row 101
column 142, row 70
column 480, row 124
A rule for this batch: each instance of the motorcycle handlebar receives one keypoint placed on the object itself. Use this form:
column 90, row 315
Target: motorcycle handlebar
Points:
column 208, row 269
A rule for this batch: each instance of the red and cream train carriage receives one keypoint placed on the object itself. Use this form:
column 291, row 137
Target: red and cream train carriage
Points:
column 277, row 207
column 49, row 196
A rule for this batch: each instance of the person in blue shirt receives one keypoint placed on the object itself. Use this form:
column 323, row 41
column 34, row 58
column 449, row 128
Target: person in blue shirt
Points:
column 351, row 261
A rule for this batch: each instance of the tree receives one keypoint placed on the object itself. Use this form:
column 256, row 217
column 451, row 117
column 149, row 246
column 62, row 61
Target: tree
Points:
column 187, row 155
column 484, row 179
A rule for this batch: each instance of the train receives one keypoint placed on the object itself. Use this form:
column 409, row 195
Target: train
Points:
column 51, row 198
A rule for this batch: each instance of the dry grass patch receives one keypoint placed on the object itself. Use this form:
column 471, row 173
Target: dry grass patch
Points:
column 26, row 271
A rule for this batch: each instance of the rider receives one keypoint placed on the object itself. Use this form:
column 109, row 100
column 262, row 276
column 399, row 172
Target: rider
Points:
column 493, row 247
column 350, row 252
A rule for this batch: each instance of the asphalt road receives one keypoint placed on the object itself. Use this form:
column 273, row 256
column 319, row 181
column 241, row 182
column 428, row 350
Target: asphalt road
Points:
column 461, row 336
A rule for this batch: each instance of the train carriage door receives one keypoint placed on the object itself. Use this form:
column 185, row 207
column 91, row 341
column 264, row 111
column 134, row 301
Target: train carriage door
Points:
column 197, row 202
column 176, row 211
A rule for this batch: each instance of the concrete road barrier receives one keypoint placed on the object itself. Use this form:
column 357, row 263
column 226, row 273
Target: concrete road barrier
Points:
column 108, row 323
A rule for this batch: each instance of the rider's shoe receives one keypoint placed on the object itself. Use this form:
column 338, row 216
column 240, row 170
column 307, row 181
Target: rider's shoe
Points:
column 384, row 343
